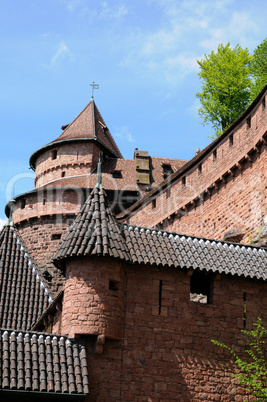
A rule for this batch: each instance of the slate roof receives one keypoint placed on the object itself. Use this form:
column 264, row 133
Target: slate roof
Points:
column 42, row 363
column 149, row 246
column 23, row 295
column 95, row 231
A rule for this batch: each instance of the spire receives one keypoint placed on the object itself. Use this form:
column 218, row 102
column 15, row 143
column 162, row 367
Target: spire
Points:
column 95, row 231
column 89, row 124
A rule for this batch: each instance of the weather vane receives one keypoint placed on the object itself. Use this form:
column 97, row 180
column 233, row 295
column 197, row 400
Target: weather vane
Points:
column 94, row 86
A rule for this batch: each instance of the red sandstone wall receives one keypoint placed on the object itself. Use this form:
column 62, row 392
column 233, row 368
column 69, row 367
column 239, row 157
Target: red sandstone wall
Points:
column 73, row 159
column 47, row 203
column 89, row 305
column 169, row 357
column 40, row 237
column 226, row 190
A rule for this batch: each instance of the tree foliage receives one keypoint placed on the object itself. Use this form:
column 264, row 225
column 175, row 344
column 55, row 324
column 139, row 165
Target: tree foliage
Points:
column 253, row 371
column 259, row 68
column 226, row 86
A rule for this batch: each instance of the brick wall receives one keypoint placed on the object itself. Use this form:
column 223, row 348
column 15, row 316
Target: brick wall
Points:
column 224, row 190
column 72, row 158
column 164, row 351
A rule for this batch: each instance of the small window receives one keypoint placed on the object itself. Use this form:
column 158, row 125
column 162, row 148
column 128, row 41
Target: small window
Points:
column 44, row 201
column 201, row 284
column 214, row 154
column 54, row 154
column 168, row 193
column 48, row 276
column 113, row 285
column 23, row 203
column 200, row 168
column 63, row 174
column 167, row 170
column 184, row 181
column 117, row 174
column 263, row 103
column 231, row 140
column 249, row 122
column 154, row 203
column 56, row 236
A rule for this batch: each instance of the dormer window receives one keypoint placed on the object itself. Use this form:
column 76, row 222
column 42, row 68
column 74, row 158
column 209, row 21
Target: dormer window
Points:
column 54, row 154
column 117, row 174
column 167, row 170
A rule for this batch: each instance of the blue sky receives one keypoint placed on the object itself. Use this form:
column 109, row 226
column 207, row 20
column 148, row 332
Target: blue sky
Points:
column 142, row 53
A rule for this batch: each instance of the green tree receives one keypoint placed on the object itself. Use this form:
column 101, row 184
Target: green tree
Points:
column 253, row 371
column 259, row 68
column 226, row 86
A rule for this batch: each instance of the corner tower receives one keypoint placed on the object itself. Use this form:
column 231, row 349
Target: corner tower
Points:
column 64, row 176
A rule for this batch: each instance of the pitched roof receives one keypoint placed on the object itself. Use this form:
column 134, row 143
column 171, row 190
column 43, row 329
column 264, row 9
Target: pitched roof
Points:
column 95, row 231
column 23, row 294
column 42, row 363
column 90, row 124
column 149, row 246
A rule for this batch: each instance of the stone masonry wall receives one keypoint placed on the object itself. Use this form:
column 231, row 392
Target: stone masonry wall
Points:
column 42, row 237
column 164, row 352
column 226, row 190
column 93, row 298
column 72, row 159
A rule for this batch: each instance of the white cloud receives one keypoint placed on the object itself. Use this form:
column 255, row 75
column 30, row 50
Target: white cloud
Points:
column 2, row 222
column 124, row 134
column 113, row 12
column 62, row 53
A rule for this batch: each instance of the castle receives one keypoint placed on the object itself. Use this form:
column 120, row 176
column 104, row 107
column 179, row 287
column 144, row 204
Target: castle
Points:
column 116, row 274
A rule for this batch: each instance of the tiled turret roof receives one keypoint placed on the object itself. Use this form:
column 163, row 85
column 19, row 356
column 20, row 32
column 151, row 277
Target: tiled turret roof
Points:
column 23, row 295
column 94, row 232
column 42, row 363
column 90, row 124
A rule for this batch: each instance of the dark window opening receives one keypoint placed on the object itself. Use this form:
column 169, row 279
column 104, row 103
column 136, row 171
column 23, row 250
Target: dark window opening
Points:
column 201, row 285
column 184, row 181
column 113, row 285
column 160, row 296
column 44, row 201
column 117, row 174
column 63, row 174
column 231, row 139
column 168, row 193
column 215, row 154
column 200, row 168
column 154, row 204
column 48, row 276
column 249, row 122
column 167, row 170
column 23, row 203
column 54, row 154
column 56, row 236
column 263, row 103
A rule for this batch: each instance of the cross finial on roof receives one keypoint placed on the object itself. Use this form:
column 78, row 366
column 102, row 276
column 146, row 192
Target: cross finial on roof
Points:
column 94, row 86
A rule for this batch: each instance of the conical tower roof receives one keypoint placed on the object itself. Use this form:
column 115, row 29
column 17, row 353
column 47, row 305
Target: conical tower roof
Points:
column 88, row 125
column 95, row 231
